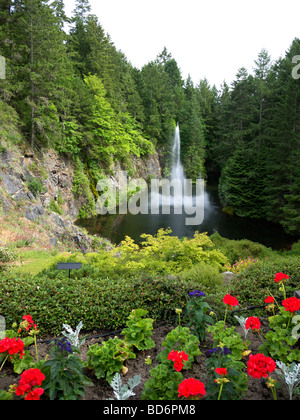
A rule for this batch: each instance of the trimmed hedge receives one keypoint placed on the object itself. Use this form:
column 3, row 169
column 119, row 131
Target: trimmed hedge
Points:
column 99, row 303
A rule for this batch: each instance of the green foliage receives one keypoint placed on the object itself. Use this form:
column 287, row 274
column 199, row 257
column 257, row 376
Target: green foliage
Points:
column 228, row 338
column 163, row 384
column 114, row 137
column 280, row 343
column 208, row 277
column 6, row 396
column 36, row 187
column 241, row 187
column 9, row 130
column 103, row 303
column 163, row 253
column 237, row 386
column 64, row 376
column 108, row 359
column 7, row 255
column 241, row 249
column 254, row 284
column 159, row 255
column 139, row 330
column 55, row 207
column 197, row 316
column 295, row 249
column 180, row 339
column 81, row 190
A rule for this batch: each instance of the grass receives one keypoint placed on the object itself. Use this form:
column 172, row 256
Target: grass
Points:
column 33, row 261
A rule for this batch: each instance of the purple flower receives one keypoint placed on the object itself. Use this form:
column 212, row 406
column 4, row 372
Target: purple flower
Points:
column 197, row 293
column 219, row 352
column 63, row 345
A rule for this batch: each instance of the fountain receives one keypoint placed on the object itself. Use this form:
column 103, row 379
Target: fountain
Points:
column 178, row 193
column 177, row 168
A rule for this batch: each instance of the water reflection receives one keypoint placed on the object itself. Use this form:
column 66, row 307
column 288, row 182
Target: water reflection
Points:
column 117, row 227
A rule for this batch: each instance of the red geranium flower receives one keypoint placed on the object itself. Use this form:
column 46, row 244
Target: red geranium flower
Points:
column 260, row 366
column 280, row 277
column 253, row 323
column 230, row 301
column 28, row 323
column 270, row 299
column 34, row 395
column 12, row 346
column 178, row 358
column 29, row 384
column 221, row 371
column 291, row 305
column 191, row 388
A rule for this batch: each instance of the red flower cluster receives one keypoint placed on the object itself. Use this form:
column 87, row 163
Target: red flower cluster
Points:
column 260, row 366
column 221, row 371
column 253, row 323
column 191, row 388
column 291, row 305
column 270, row 299
column 12, row 346
column 280, row 277
column 28, row 323
column 178, row 358
column 230, row 301
column 29, row 385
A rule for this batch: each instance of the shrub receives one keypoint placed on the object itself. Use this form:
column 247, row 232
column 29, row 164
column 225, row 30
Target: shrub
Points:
column 36, row 187
column 295, row 249
column 55, row 207
column 7, row 255
column 160, row 254
column 208, row 277
column 241, row 249
column 241, row 265
column 252, row 285
column 99, row 303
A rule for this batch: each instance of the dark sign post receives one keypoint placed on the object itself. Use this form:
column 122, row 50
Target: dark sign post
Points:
column 69, row 266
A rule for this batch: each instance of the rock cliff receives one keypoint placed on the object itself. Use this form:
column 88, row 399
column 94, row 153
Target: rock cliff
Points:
column 40, row 189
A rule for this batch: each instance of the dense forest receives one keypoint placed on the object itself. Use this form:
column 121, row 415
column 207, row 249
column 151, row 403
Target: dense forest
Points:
column 69, row 88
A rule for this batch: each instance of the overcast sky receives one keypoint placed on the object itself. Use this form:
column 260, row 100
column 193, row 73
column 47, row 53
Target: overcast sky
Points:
column 211, row 39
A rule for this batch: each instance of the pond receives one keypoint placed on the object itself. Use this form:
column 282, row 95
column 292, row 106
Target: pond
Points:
column 116, row 227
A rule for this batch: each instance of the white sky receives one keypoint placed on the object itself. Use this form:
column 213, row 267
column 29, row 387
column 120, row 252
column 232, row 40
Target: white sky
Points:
column 211, row 39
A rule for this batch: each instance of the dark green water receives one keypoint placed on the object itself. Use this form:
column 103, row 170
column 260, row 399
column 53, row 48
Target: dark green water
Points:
column 117, row 227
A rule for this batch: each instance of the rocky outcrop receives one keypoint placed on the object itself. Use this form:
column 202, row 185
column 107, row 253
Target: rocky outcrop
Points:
column 40, row 188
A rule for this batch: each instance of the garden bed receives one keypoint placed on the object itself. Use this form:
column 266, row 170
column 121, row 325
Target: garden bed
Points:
column 257, row 389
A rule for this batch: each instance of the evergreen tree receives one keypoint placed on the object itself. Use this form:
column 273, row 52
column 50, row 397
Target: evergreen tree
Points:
column 192, row 134
column 39, row 67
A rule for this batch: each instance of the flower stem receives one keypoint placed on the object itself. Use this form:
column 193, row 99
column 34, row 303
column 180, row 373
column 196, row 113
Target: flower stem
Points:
column 36, row 349
column 220, row 393
column 225, row 315
column 290, row 318
column 260, row 336
column 3, row 363
column 273, row 389
column 284, row 292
